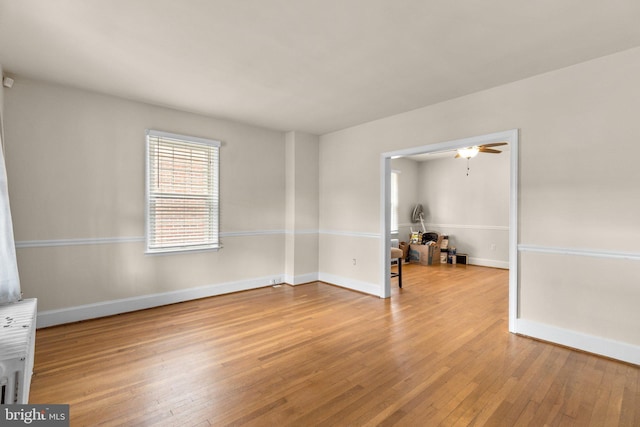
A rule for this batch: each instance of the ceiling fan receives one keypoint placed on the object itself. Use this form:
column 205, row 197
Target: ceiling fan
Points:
column 470, row 152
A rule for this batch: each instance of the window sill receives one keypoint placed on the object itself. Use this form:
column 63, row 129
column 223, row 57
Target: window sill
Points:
column 175, row 251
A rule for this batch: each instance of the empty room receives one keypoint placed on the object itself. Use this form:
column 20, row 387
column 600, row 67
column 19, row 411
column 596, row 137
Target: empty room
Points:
column 337, row 213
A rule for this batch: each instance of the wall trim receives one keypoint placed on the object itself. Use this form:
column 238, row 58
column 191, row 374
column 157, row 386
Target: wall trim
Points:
column 597, row 253
column 489, row 263
column 117, row 240
column 350, row 234
column 470, row 226
column 138, row 239
column 76, row 242
column 354, row 285
column 410, row 225
column 61, row 316
column 300, row 279
column 303, row 232
column 604, row 347
column 250, row 233
column 108, row 308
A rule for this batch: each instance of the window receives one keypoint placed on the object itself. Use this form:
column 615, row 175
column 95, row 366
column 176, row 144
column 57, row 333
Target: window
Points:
column 182, row 199
column 394, row 201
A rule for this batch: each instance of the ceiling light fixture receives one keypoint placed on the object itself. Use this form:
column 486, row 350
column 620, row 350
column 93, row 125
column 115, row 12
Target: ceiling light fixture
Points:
column 469, row 152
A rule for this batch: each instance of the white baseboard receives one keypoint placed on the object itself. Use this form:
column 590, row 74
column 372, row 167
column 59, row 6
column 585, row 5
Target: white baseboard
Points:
column 109, row 308
column 300, row 279
column 489, row 263
column 589, row 343
column 356, row 285
column 605, row 347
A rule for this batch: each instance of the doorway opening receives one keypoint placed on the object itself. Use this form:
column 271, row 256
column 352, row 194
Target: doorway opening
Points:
column 511, row 137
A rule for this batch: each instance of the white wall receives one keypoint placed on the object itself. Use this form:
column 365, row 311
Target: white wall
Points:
column 75, row 161
column 76, row 169
column 579, row 235
column 472, row 210
column 301, row 252
column 349, row 212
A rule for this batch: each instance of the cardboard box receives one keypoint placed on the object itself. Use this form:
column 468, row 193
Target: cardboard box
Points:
column 426, row 254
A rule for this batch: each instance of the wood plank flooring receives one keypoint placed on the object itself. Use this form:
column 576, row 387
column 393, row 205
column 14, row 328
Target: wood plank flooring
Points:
column 436, row 353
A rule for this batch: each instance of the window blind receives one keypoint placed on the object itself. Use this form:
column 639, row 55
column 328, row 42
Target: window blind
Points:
column 182, row 193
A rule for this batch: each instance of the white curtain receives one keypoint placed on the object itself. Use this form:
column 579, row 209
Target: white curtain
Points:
column 9, row 281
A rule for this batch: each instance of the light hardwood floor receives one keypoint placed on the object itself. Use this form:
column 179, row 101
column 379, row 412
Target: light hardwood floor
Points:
column 436, row 353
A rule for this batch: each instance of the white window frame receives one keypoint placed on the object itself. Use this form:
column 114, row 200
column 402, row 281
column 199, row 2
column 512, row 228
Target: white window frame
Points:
column 212, row 198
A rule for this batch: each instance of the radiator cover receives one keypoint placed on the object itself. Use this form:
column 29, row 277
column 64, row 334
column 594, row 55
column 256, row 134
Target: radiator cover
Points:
column 17, row 345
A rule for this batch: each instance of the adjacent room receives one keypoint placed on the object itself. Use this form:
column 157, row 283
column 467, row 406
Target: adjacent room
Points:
column 464, row 199
column 199, row 202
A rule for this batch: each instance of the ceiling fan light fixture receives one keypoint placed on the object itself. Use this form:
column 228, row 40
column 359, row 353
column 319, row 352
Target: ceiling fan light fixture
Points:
column 469, row 152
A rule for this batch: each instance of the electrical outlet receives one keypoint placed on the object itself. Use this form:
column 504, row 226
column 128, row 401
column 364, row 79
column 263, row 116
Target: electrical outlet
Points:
column 493, row 247
column 354, row 261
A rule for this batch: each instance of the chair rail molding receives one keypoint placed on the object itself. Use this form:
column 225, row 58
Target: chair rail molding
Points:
column 597, row 253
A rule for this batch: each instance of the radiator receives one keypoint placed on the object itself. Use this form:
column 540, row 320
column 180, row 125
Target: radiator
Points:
column 17, row 344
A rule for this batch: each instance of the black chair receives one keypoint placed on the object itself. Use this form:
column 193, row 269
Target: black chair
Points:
column 397, row 253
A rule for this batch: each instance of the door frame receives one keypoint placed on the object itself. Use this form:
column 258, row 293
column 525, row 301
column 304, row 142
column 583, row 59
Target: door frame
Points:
column 510, row 136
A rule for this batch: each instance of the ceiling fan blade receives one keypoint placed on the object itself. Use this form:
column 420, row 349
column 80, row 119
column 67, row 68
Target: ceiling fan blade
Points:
column 494, row 144
column 489, row 150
